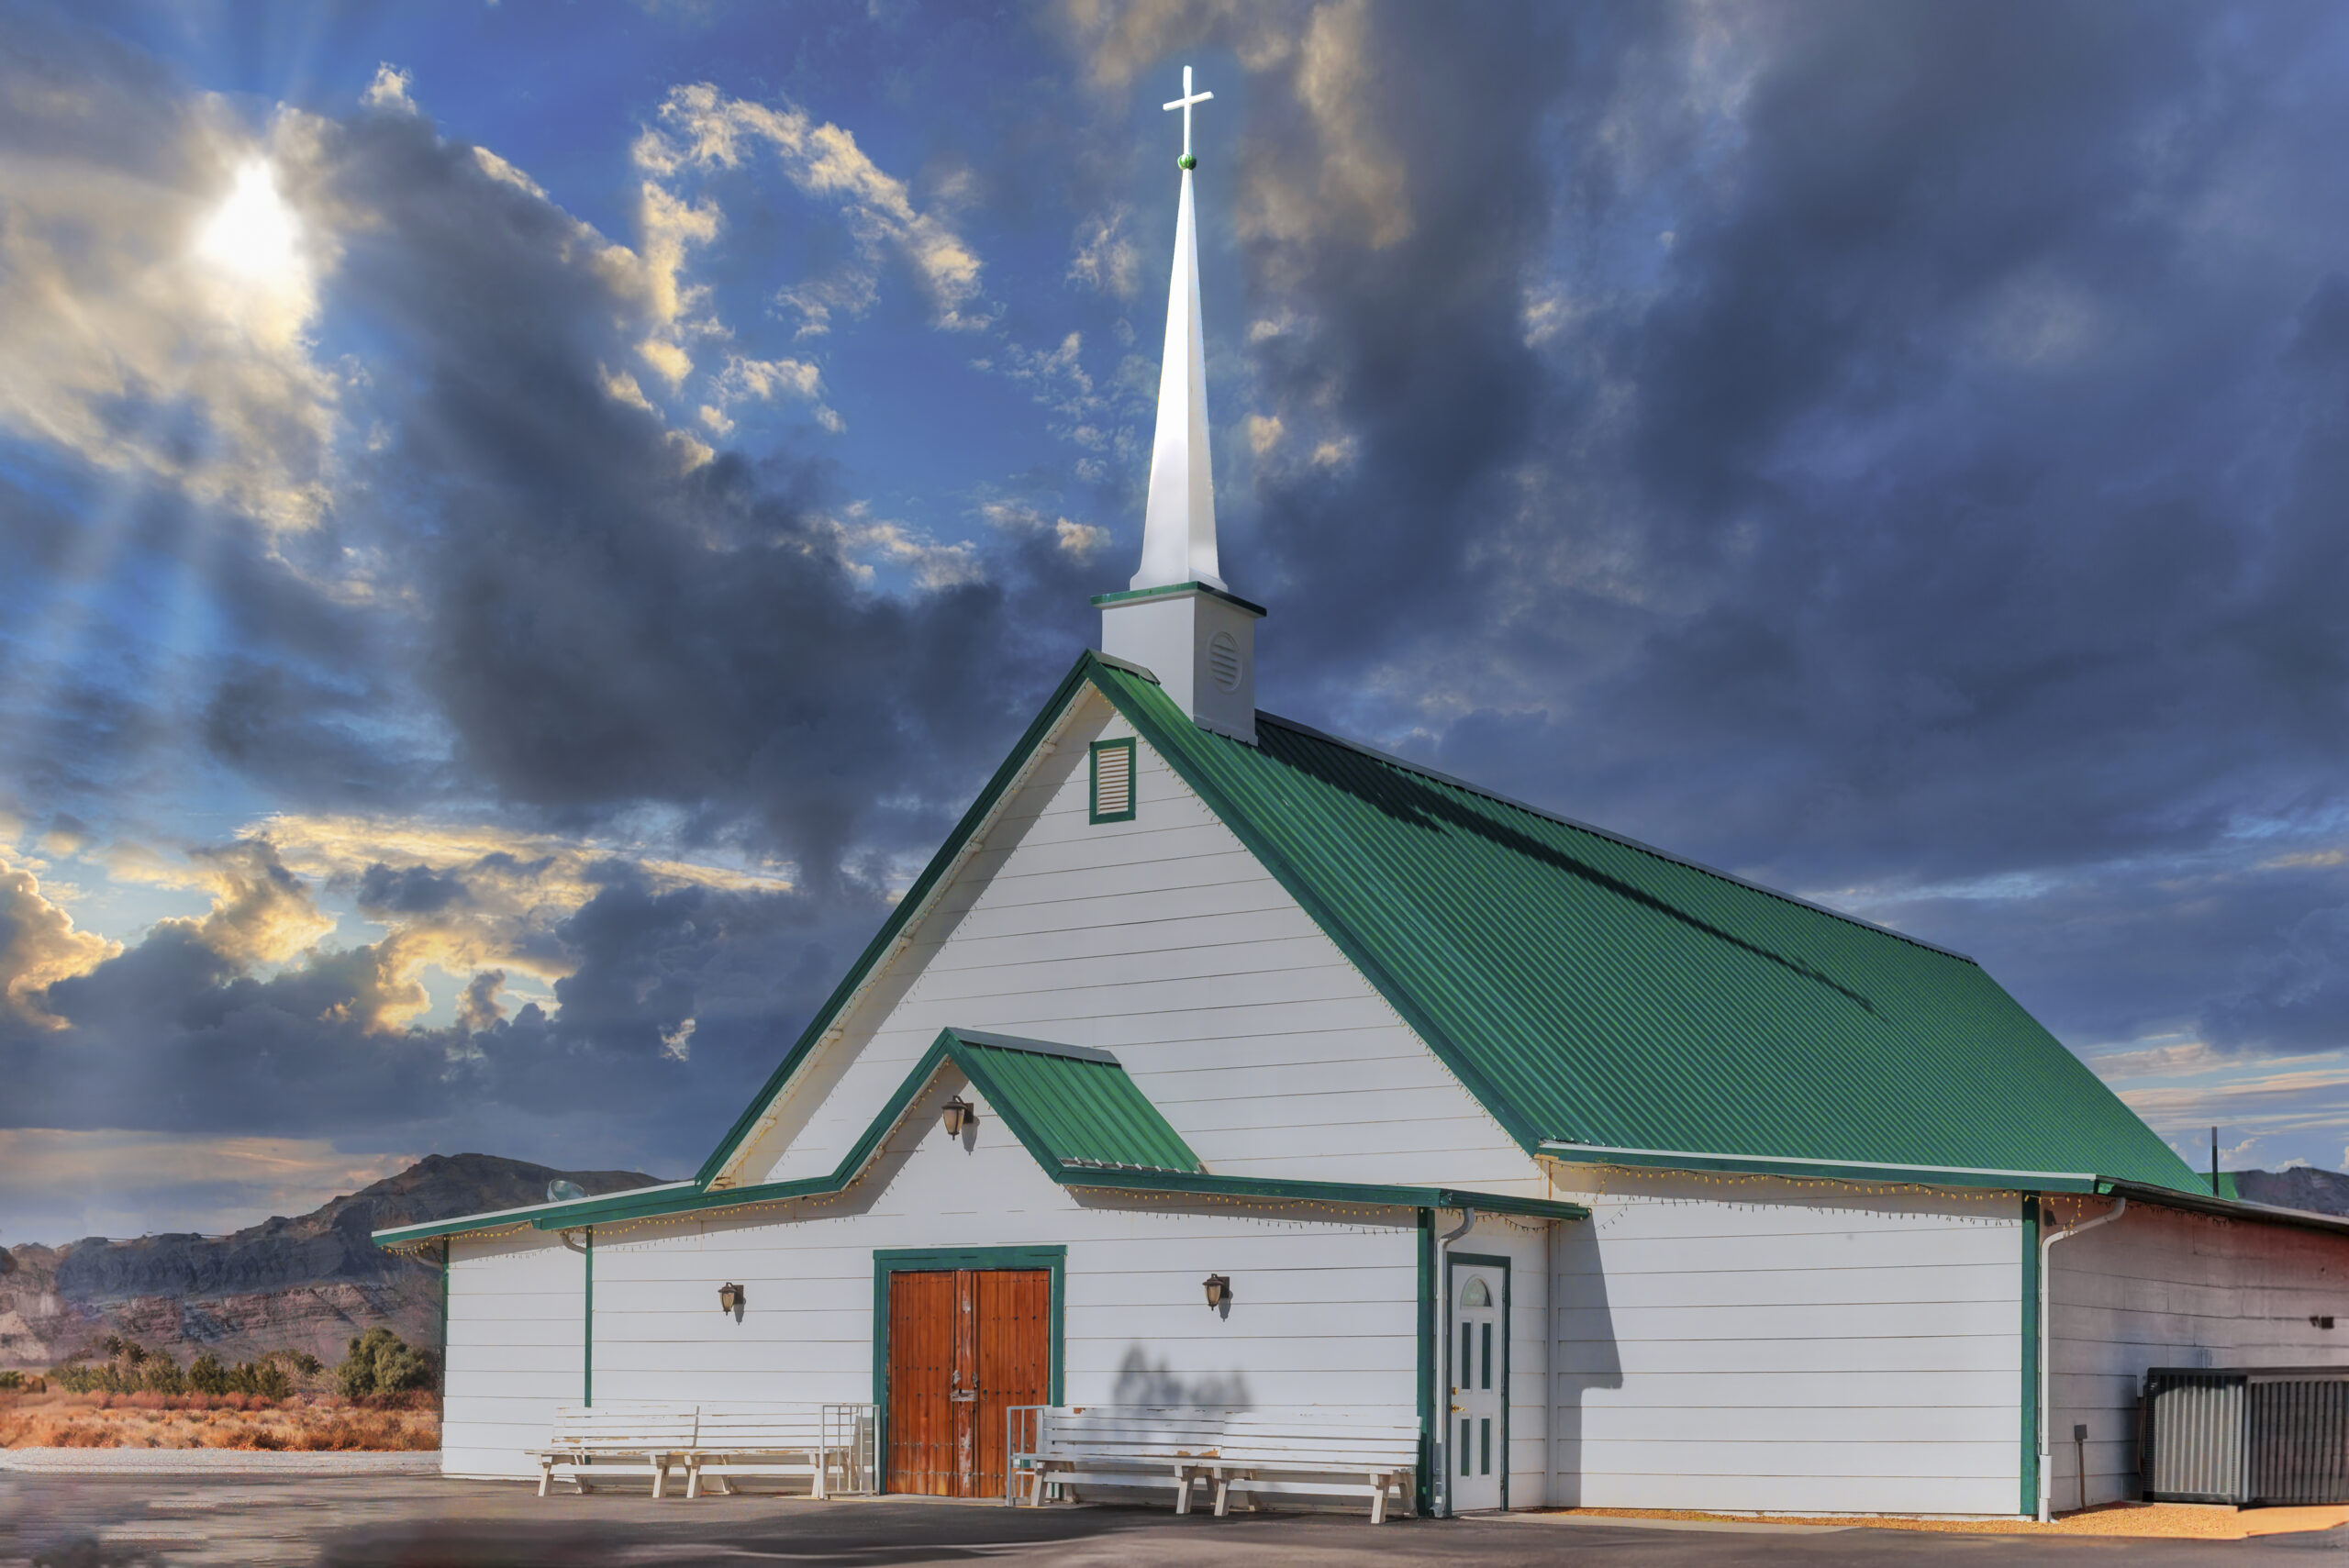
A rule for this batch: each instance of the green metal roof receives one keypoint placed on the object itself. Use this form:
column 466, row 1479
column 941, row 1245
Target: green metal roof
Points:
column 1072, row 1106
column 1593, row 992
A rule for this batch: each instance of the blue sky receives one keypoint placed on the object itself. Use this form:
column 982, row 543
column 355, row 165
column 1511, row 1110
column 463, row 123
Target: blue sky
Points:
column 521, row 525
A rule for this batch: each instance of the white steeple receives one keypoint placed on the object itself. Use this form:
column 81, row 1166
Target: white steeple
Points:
column 1178, row 619
column 1178, row 530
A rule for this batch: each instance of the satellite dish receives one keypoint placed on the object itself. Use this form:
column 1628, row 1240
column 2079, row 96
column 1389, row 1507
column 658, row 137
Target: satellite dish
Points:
column 560, row 1191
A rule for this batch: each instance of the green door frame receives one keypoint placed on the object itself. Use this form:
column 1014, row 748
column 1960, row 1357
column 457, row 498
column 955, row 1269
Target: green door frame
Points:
column 915, row 1260
column 1478, row 1260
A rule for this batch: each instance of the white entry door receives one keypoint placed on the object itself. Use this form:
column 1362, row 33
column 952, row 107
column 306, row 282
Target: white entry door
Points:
column 1478, row 1438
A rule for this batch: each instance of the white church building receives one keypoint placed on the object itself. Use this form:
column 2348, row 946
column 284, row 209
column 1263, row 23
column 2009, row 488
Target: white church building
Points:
column 1630, row 1183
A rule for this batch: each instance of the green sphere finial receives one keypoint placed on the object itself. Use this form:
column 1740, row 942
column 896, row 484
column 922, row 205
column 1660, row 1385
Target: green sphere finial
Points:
column 1186, row 161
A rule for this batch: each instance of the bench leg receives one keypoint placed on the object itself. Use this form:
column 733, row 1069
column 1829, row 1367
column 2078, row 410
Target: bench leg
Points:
column 1222, row 1495
column 660, row 1463
column 546, row 1473
column 1379, row 1499
column 1182, row 1488
column 693, row 1477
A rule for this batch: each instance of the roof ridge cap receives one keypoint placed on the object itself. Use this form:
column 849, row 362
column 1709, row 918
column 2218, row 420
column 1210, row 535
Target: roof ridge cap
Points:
column 1609, row 834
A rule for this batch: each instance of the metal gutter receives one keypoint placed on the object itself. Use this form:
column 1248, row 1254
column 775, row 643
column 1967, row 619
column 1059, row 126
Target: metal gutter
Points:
column 490, row 1219
column 2083, row 1182
column 2227, row 1207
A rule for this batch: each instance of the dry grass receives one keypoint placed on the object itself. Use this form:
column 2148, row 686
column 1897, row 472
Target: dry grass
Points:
column 310, row 1424
column 2188, row 1521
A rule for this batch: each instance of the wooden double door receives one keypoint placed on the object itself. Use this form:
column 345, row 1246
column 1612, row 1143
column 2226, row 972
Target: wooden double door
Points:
column 965, row 1345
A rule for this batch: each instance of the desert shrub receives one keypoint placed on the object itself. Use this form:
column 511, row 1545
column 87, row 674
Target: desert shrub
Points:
column 12, row 1380
column 381, row 1363
column 205, row 1375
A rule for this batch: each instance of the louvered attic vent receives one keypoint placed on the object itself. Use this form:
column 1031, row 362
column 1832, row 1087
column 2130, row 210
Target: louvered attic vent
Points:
column 1113, row 781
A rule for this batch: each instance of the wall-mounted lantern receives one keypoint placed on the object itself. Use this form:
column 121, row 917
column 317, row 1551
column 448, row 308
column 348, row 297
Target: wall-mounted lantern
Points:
column 959, row 1114
column 1218, row 1290
column 731, row 1299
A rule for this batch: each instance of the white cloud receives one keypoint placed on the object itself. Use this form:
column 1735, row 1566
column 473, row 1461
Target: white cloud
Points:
column 703, row 130
column 746, row 380
column 39, row 944
column 1105, row 258
column 155, row 308
column 388, row 91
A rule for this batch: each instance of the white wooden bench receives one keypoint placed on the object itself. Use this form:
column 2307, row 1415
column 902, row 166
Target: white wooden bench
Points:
column 757, row 1440
column 1113, row 1445
column 1305, row 1451
column 606, row 1438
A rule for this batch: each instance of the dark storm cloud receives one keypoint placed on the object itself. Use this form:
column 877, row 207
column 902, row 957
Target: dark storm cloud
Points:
column 1881, row 446
column 1978, row 470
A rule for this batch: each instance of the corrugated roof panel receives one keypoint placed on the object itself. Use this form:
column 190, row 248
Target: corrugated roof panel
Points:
column 1596, row 992
column 1080, row 1110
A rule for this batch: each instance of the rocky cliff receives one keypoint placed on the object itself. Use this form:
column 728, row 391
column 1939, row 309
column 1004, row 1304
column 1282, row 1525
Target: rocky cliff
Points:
column 2305, row 1186
column 307, row 1282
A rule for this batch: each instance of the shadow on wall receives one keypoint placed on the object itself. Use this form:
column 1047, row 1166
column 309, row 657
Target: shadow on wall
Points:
column 1140, row 1383
column 1583, row 1354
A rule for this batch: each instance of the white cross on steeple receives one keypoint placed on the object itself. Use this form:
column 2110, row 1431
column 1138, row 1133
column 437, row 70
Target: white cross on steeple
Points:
column 1184, row 103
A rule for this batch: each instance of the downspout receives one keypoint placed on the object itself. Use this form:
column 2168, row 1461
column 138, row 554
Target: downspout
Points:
column 2046, row 1443
column 1443, row 1334
column 586, row 1251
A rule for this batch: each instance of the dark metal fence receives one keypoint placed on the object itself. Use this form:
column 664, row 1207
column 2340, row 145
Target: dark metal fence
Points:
column 2246, row 1435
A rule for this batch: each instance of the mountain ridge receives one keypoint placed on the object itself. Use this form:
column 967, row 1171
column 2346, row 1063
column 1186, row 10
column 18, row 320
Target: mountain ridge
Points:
column 304, row 1282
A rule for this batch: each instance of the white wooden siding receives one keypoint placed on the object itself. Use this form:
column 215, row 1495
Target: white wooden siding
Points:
column 1782, row 1347
column 516, row 1333
column 1324, row 1301
column 2159, row 1288
column 1164, row 941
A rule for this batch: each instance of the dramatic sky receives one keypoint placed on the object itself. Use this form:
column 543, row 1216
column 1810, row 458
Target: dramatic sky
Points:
column 520, row 525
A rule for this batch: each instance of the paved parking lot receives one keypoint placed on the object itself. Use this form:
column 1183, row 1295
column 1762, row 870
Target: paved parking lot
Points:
column 425, row 1522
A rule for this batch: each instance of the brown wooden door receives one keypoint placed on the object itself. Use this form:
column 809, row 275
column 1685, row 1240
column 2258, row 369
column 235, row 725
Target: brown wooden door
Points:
column 965, row 1345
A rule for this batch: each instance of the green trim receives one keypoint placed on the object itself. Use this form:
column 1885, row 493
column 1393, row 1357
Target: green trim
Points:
column 446, row 1244
column 1482, row 1261
column 1174, row 590
column 1425, row 1503
column 1884, row 1175
column 1503, row 1107
column 887, row 1260
column 587, row 1335
column 941, row 863
column 2030, row 1467
column 967, row 1050
column 1093, row 814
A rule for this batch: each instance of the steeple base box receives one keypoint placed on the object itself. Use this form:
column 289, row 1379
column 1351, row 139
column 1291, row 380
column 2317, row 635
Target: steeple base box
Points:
column 1201, row 644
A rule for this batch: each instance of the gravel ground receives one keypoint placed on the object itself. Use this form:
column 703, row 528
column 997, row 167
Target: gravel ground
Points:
column 210, row 1462
column 2159, row 1521
column 409, row 1521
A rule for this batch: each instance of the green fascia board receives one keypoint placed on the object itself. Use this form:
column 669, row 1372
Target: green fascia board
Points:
column 940, row 865
column 1831, row 1170
column 1168, row 591
column 1029, row 1084
column 1586, row 988
column 1368, row 1195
